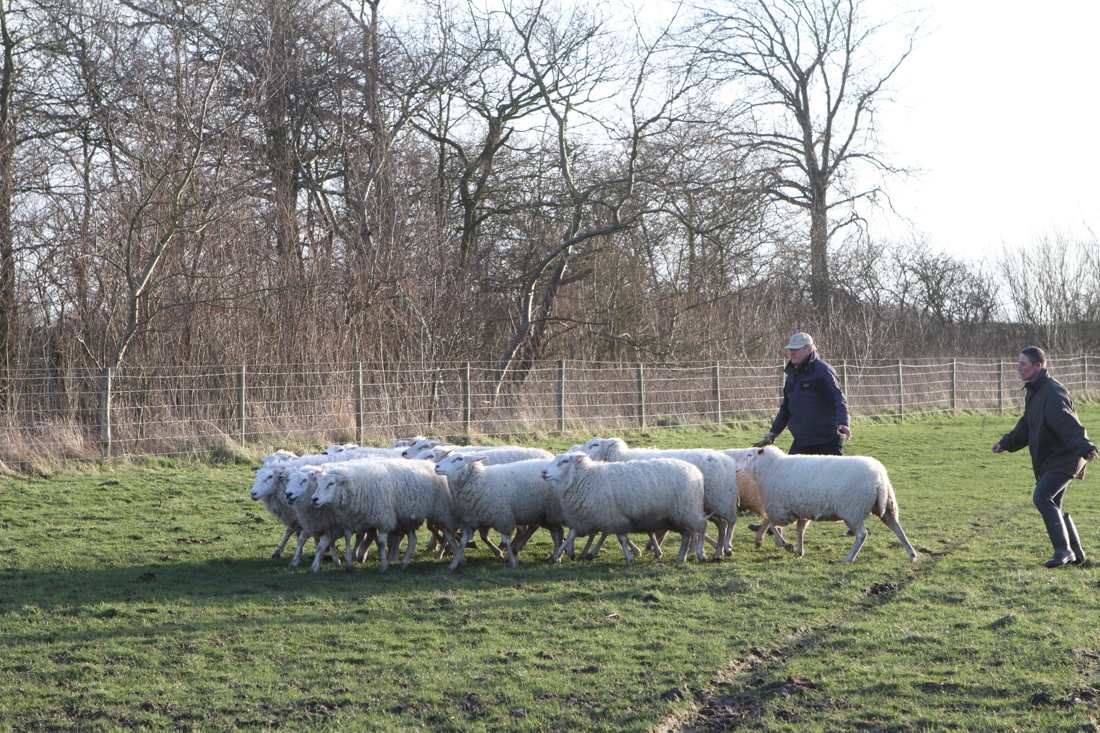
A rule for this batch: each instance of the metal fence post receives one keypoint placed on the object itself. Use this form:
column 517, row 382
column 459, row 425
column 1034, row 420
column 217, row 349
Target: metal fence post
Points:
column 357, row 382
column 240, row 404
column 561, row 395
column 466, row 397
column 954, row 385
column 901, row 393
column 641, row 396
column 717, row 383
column 1001, row 386
column 105, row 410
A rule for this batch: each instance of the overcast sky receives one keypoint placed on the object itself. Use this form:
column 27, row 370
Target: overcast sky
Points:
column 1000, row 107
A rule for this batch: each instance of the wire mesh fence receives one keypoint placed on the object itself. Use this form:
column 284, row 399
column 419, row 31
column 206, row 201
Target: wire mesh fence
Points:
column 190, row 409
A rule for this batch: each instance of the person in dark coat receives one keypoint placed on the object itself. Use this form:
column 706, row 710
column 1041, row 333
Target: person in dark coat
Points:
column 1059, row 448
column 813, row 408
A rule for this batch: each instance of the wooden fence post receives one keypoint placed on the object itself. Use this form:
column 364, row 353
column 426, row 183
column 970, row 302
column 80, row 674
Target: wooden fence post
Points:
column 105, row 410
column 466, row 397
column 954, row 385
column 1001, row 386
column 1085, row 375
column 561, row 395
column 641, row 396
column 240, row 404
column 901, row 393
column 717, row 384
column 844, row 376
column 357, row 383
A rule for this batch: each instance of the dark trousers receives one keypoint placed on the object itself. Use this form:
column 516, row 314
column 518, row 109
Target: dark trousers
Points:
column 834, row 448
column 1049, row 493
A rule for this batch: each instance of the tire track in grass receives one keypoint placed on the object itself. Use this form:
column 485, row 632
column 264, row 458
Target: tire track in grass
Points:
column 742, row 695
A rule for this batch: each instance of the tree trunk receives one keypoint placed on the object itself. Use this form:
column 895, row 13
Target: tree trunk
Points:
column 7, row 244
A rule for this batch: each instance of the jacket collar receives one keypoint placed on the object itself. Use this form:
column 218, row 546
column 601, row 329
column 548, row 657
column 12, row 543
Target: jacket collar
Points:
column 1036, row 381
column 806, row 365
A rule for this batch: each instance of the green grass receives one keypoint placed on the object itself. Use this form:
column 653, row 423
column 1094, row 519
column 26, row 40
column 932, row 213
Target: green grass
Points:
column 144, row 597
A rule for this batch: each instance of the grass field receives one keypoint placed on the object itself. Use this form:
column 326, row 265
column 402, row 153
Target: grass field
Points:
column 144, row 597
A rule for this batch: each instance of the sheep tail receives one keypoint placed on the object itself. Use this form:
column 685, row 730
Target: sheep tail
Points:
column 885, row 504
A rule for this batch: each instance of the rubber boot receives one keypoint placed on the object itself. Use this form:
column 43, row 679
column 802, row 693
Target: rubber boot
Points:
column 1059, row 538
column 1074, row 540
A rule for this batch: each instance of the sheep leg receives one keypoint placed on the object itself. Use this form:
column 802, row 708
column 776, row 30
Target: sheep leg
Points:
column 623, row 539
column 362, row 546
column 861, row 534
column 892, row 522
column 802, row 524
column 485, row 536
column 506, row 540
column 587, row 545
column 322, row 545
column 720, row 524
column 349, row 551
column 335, row 552
column 655, row 541
column 633, row 547
column 685, row 542
column 727, row 537
column 466, row 532
column 568, row 543
column 409, row 550
column 762, row 531
column 522, row 536
column 780, row 541
column 586, row 555
column 279, row 549
column 383, row 550
column 298, row 553
column 700, row 551
column 395, row 548
column 557, row 535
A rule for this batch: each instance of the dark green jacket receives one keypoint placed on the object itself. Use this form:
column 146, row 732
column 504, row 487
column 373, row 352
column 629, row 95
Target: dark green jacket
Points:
column 1050, row 429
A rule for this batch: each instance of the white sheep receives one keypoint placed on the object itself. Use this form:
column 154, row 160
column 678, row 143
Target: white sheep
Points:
column 321, row 524
column 334, row 449
column 634, row 496
column 387, row 496
column 501, row 497
column 806, row 488
column 749, row 498
column 268, row 489
column 719, row 478
column 279, row 456
column 494, row 455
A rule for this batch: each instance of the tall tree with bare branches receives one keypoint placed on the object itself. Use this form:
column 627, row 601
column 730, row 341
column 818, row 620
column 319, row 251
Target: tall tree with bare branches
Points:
column 813, row 77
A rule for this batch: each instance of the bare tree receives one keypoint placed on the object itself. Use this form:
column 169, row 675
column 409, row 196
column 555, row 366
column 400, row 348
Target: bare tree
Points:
column 813, row 78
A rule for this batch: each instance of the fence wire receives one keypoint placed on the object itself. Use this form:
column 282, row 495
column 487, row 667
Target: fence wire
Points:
column 190, row 409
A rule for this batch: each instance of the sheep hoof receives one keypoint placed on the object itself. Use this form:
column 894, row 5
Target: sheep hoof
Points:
column 789, row 548
column 277, row 555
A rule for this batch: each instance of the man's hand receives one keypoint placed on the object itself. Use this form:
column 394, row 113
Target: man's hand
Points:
column 768, row 440
column 998, row 449
column 1091, row 455
column 845, row 431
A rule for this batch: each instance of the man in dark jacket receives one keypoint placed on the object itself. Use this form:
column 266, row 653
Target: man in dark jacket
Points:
column 1059, row 449
column 813, row 407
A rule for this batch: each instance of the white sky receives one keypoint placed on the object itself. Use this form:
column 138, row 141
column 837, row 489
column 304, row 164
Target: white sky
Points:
column 1000, row 108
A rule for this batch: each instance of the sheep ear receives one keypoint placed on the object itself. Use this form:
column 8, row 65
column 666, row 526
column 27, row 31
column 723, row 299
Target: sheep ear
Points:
column 476, row 459
column 760, row 451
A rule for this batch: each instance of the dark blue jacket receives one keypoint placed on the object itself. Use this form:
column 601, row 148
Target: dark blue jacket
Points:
column 813, row 405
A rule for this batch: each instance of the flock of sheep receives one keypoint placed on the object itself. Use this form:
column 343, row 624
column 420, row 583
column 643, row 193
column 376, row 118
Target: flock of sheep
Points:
column 603, row 488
